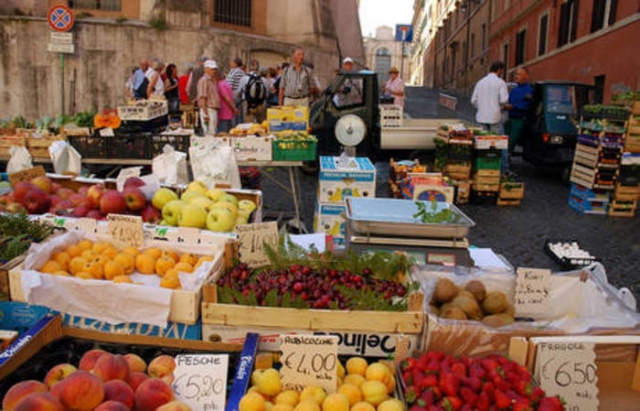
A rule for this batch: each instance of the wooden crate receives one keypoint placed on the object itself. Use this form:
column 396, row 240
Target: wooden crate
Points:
column 6, row 142
column 408, row 322
column 509, row 202
column 632, row 143
column 478, row 179
column 626, row 193
column 39, row 146
column 617, row 361
column 458, row 172
column 493, row 187
column 511, row 191
column 622, row 208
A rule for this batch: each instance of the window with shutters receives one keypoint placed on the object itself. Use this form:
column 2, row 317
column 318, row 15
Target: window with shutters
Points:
column 521, row 39
column 108, row 5
column 233, row 12
column 543, row 32
column 603, row 14
column 568, row 22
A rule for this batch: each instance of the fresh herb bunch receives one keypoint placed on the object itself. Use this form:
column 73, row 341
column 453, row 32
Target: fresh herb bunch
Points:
column 431, row 215
column 17, row 232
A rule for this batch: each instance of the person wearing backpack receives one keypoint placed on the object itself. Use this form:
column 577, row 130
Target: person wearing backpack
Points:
column 255, row 89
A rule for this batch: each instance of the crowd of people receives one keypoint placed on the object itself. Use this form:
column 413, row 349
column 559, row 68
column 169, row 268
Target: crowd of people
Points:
column 224, row 100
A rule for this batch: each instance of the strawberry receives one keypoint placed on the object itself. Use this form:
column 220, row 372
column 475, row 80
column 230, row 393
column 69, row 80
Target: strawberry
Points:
column 550, row 404
column 466, row 407
column 474, row 384
column 489, row 364
column 429, row 380
column 416, row 408
column 428, row 397
column 477, row 371
column 459, row 370
column 451, row 403
column 435, row 408
column 537, row 394
column 449, row 384
column 502, row 400
column 522, row 387
column 522, row 404
column 489, row 389
column 484, row 402
column 411, row 394
column 468, row 396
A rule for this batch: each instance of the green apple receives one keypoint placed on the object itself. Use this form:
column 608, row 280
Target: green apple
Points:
column 230, row 198
column 192, row 215
column 187, row 196
column 228, row 206
column 215, row 193
column 241, row 220
column 244, row 213
column 247, row 205
column 203, row 202
column 162, row 197
column 220, row 220
column 171, row 212
column 197, row 186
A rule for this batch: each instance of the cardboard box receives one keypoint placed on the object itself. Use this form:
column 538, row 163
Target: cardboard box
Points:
column 287, row 118
column 365, row 344
column 355, row 177
column 330, row 219
column 487, row 142
column 427, row 192
column 252, row 148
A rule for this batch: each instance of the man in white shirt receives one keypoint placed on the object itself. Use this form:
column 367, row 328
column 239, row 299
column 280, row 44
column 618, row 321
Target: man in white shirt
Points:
column 489, row 96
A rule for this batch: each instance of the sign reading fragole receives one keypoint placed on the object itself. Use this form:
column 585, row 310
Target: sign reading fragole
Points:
column 568, row 369
column 309, row 360
column 201, row 380
column 26, row 175
column 126, row 229
column 532, row 292
column 252, row 239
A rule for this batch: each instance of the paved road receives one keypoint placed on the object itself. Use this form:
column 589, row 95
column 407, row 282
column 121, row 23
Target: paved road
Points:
column 518, row 233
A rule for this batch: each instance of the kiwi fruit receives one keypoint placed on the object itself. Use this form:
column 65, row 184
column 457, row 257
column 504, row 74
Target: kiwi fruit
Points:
column 476, row 288
column 453, row 313
column 498, row 320
column 469, row 305
column 495, row 302
column 444, row 291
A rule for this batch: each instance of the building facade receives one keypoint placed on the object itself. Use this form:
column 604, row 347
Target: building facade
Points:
column 112, row 36
column 382, row 52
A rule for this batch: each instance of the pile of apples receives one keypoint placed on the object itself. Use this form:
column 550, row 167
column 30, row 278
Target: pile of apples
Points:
column 201, row 207
column 361, row 387
column 101, row 382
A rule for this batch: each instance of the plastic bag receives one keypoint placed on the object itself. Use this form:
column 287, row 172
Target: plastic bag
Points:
column 65, row 158
column 171, row 166
column 213, row 163
column 20, row 159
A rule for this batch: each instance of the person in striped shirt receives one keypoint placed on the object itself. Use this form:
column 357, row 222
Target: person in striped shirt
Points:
column 233, row 79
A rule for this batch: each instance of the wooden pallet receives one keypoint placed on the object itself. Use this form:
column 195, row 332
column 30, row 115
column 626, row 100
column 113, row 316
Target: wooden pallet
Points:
column 509, row 201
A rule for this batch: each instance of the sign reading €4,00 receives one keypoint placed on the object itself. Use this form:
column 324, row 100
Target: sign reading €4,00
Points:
column 60, row 18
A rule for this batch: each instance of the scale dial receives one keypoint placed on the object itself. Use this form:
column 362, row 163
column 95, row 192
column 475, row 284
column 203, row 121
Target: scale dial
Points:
column 350, row 130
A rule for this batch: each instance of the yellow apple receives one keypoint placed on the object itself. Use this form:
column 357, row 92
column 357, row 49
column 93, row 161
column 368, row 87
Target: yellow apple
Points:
column 230, row 198
column 203, row 202
column 220, row 220
column 197, row 186
column 228, row 206
column 247, row 205
column 192, row 216
column 215, row 193
column 241, row 220
column 171, row 212
column 162, row 197
column 187, row 196
column 244, row 214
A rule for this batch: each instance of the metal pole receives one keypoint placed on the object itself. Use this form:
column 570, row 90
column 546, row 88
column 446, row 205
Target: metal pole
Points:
column 402, row 57
column 62, row 83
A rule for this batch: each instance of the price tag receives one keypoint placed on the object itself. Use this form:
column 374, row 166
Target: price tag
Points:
column 188, row 235
column 309, row 360
column 126, row 229
column 251, row 239
column 568, row 369
column 106, row 132
column 532, row 292
column 201, row 381
column 26, row 175
column 86, row 225
column 126, row 173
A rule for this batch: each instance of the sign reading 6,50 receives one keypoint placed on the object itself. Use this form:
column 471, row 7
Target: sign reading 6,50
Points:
column 577, row 373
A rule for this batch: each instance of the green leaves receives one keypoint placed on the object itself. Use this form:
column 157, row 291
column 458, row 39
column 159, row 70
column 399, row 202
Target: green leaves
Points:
column 431, row 215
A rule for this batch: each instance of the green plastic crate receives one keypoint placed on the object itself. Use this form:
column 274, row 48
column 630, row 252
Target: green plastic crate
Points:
column 487, row 163
column 294, row 150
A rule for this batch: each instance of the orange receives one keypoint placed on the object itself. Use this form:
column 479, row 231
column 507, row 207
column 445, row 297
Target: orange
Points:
column 171, row 273
column 85, row 244
column 170, row 282
column 113, row 269
column 251, row 401
column 378, row 372
column 146, row 264
column 50, row 266
column 131, row 250
column 127, row 261
column 153, row 251
column 202, row 260
column 354, row 379
column 122, row 279
column 99, row 247
column 94, row 269
column 188, row 258
column 335, row 402
column 62, row 258
column 356, row 365
column 84, row 275
column 362, row 406
column 76, row 264
column 61, row 273
column 89, row 254
column 184, row 267
column 172, row 254
column 352, row 392
column 73, row 250
column 110, row 251
column 164, row 264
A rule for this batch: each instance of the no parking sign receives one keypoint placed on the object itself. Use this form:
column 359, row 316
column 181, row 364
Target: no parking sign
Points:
column 60, row 18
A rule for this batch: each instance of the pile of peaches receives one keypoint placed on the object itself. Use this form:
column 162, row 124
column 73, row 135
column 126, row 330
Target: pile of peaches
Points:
column 101, row 382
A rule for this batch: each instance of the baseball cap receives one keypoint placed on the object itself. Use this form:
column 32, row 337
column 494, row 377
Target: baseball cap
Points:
column 347, row 60
column 211, row 64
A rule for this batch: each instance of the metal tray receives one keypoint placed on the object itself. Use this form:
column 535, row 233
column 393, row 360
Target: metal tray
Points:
column 394, row 217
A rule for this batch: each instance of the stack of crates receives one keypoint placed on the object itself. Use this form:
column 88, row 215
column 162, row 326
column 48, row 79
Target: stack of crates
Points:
column 589, row 201
column 454, row 154
column 341, row 177
column 487, row 164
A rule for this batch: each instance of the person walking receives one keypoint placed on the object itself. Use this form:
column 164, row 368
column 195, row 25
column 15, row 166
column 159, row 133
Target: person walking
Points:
column 254, row 89
column 153, row 74
column 208, row 98
column 227, row 106
column 171, row 88
column 394, row 87
column 520, row 103
column 234, row 77
column 296, row 82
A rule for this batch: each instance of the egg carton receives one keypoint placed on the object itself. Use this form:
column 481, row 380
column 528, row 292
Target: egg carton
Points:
column 568, row 254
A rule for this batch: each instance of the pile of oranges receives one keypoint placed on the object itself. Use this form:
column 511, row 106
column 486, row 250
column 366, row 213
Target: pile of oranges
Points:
column 103, row 261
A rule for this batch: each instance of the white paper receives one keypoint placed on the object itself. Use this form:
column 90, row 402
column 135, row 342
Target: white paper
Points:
column 318, row 240
column 486, row 259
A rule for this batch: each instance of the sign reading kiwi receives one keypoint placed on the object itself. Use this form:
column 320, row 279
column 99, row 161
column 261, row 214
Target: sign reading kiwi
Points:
column 532, row 292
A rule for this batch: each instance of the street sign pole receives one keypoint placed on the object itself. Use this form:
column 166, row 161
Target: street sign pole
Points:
column 61, row 20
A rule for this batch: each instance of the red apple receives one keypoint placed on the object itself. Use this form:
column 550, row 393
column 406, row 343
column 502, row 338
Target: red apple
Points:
column 43, row 182
column 134, row 197
column 55, row 186
column 83, row 191
column 112, row 202
column 37, row 201
column 94, row 195
column 134, row 182
column 55, row 199
column 151, row 215
column 21, row 189
column 81, row 210
column 65, row 193
column 15, row 208
column 64, row 207
column 95, row 214
column 78, row 199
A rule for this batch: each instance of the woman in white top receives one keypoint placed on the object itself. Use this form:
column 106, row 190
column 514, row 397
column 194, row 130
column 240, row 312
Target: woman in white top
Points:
column 156, row 84
column 394, row 87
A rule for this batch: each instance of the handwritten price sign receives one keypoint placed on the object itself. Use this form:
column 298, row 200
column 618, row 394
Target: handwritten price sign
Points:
column 532, row 292
column 252, row 238
column 201, row 381
column 568, row 369
column 126, row 229
column 309, row 360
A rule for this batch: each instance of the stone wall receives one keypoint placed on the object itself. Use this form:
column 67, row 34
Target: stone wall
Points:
column 106, row 51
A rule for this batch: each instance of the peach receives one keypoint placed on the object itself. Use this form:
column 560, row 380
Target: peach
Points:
column 136, row 378
column 136, row 363
column 151, row 394
column 80, row 391
column 40, row 401
column 21, row 390
column 89, row 359
column 120, row 391
column 58, row 373
column 112, row 406
column 174, row 406
column 111, row 367
column 161, row 366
